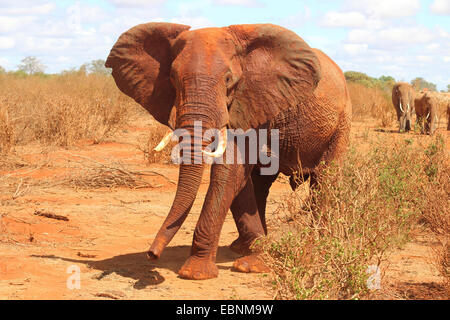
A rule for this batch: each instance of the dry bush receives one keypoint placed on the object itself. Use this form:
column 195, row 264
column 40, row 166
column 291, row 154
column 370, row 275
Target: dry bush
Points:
column 6, row 131
column 60, row 109
column 371, row 102
column 356, row 213
column 155, row 134
column 436, row 213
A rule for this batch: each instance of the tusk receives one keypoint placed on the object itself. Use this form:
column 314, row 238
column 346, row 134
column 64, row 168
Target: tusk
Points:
column 222, row 145
column 428, row 115
column 164, row 142
column 403, row 111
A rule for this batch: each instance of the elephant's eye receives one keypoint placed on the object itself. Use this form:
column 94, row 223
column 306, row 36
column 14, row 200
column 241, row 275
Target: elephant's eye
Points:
column 173, row 77
column 229, row 79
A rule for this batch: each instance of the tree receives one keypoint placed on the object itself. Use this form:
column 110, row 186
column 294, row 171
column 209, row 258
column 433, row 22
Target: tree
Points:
column 387, row 79
column 448, row 88
column 2, row 70
column 420, row 84
column 384, row 82
column 97, row 67
column 355, row 76
column 31, row 65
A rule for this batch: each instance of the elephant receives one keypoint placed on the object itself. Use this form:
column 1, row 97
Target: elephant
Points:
column 426, row 105
column 403, row 100
column 247, row 77
column 448, row 117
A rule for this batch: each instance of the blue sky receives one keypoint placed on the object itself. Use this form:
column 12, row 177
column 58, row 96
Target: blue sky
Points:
column 401, row 38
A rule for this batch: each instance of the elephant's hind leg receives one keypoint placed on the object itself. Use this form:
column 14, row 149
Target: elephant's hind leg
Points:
column 262, row 185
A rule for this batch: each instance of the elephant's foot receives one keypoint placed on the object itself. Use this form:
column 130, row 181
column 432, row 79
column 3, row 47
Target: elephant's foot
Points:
column 251, row 263
column 241, row 247
column 198, row 269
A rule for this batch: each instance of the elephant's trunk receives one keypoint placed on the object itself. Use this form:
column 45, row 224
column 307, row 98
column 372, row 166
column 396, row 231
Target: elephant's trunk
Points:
column 190, row 177
column 189, row 180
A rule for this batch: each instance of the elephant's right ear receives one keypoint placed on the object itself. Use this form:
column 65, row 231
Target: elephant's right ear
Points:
column 141, row 62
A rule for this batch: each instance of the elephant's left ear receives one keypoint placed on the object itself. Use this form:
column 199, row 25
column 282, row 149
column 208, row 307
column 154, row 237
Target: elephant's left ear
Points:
column 278, row 70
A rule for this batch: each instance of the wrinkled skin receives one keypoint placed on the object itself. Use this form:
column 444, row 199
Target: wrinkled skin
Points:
column 426, row 106
column 242, row 76
column 403, row 100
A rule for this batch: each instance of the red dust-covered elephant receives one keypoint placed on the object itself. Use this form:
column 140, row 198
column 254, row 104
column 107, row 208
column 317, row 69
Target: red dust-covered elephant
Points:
column 426, row 106
column 403, row 101
column 237, row 77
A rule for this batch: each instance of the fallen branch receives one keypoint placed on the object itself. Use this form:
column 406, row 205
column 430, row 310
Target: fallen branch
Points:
column 50, row 215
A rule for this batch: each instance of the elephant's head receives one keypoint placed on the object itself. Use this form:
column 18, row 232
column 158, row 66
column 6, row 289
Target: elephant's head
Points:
column 402, row 98
column 239, row 76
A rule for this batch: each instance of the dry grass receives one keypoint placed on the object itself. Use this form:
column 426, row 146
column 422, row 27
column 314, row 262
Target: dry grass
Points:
column 155, row 134
column 371, row 103
column 59, row 110
column 357, row 212
column 93, row 175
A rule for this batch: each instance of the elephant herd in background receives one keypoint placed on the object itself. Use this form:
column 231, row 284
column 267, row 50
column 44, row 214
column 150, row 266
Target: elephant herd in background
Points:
column 425, row 104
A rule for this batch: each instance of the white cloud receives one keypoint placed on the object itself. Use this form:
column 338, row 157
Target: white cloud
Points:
column 7, row 43
column 423, row 58
column 11, row 24
column 297, row 20
column 46, row 44
column 193, row 22
column 15, row 10
column 391, row 37
column 432, row 47
column 441, row 7
column 350, row 19
column 135, row 3
column 245, row 3
column 355, row 49
column 385, row 9
column 63, row 59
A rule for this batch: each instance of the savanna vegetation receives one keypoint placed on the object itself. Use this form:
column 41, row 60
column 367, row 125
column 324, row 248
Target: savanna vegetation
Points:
column 329, row 246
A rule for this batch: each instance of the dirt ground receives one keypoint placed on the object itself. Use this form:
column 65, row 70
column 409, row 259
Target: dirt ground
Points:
column 107, row 232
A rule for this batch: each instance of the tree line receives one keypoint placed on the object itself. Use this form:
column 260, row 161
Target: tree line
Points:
column 33, row 66
column 386, row 82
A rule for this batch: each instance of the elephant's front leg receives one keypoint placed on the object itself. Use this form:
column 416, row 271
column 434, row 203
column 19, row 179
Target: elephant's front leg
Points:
column 225, row 183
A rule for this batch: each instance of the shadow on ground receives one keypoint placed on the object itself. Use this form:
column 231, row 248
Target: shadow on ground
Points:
column 136, row 266
column 386, row 130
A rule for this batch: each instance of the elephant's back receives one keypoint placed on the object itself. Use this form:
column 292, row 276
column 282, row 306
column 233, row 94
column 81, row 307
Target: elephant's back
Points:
column 332, row 85
column 419, row 104
column 307, row 130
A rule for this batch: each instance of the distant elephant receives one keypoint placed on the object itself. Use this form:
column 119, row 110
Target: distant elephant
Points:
column 426, row 106
column 403, row 100
column 448, row 117
column 237, row 77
